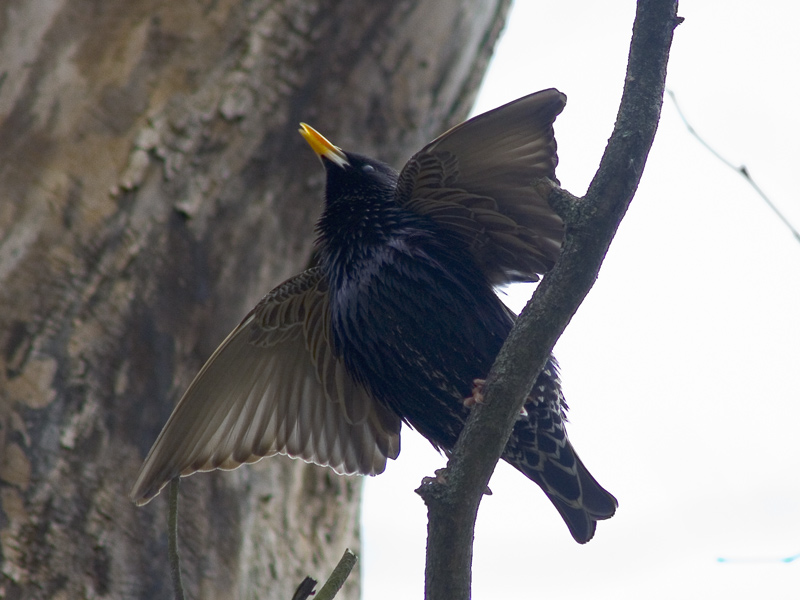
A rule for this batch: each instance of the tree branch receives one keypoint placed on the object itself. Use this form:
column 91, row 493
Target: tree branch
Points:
column 338, row 576
column 592, row 221
column 172, row 538
column 334, row 583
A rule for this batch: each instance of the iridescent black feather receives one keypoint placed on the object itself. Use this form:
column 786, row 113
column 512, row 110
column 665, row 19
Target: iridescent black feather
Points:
column 397, row 321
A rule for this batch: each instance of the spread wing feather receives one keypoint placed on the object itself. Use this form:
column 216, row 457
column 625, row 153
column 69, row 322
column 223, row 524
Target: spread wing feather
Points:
column 476, row 178
column 274, row 386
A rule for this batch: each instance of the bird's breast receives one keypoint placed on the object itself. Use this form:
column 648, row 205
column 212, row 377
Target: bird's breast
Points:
column 416, row 326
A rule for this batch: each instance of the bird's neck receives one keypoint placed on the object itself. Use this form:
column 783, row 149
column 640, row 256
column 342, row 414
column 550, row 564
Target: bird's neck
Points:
column 353, row 230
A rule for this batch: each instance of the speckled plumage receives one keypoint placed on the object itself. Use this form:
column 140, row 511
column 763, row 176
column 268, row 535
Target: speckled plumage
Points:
column 397, row 321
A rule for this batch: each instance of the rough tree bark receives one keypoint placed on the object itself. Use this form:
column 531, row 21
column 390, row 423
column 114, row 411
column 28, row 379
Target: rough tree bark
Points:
column 152, row 188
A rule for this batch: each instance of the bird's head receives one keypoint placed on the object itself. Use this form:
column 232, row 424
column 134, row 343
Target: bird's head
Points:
column 350, row 174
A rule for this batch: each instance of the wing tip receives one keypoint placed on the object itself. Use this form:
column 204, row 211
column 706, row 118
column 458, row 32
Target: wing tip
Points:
column 142, row 493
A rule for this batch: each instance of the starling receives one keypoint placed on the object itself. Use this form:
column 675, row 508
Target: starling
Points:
column 397, row 321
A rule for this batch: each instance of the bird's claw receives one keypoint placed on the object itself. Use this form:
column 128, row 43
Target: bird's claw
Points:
column 477, row 393
column 477, row 397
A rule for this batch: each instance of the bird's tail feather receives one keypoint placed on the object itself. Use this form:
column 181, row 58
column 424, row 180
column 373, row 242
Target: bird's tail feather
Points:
column 540, row 448
column 581, row 513
column 577, row 496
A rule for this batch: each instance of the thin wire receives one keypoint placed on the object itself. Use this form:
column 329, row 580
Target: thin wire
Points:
column 742, row 170
column 783, row 559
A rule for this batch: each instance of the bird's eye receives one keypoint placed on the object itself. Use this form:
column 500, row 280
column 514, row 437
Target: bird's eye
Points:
column 368, row 169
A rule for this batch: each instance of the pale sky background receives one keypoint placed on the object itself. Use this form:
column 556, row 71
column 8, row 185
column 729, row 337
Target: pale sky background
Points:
column 682, row 366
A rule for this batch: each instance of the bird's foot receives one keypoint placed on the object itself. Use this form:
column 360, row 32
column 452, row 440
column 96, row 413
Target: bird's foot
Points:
column 477, row 397
column 523, row 414
column 477, row 393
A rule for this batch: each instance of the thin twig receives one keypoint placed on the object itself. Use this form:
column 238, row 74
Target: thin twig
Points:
column 741, row 169
column 338, row 577
column 172, row 551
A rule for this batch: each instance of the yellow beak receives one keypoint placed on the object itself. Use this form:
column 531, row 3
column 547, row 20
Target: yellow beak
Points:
column 322, row 147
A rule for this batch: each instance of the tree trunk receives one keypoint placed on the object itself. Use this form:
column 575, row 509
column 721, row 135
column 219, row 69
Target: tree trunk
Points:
column 153, row 188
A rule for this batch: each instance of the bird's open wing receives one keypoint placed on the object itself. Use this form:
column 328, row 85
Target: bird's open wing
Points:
column 274, row 386
column 476, row 180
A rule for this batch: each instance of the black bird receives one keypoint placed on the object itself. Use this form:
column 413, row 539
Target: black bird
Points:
column 397, row 321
